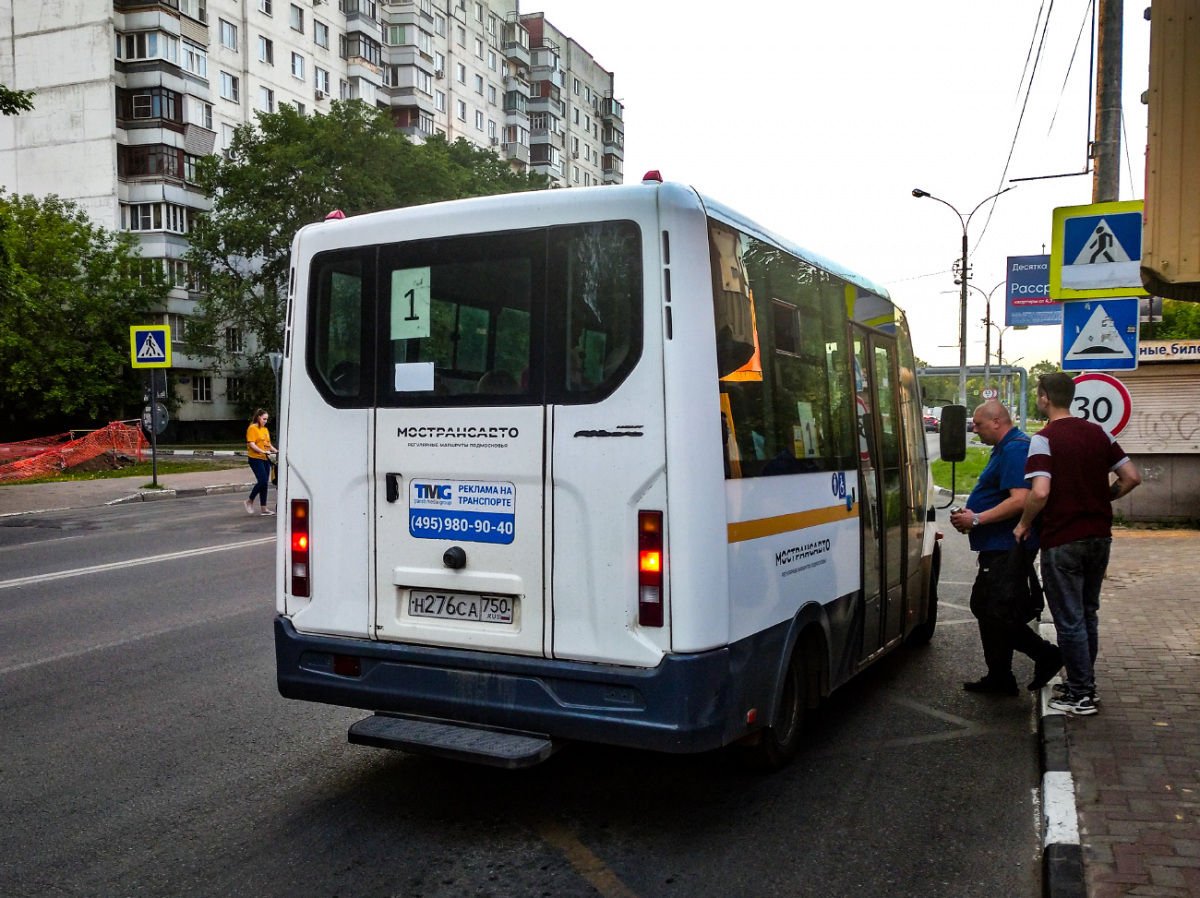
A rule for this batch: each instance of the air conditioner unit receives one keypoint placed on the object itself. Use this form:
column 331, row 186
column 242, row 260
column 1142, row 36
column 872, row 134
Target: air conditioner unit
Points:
column 575, row 155
column 440, row 73
column 320, row 95
column 495, row 140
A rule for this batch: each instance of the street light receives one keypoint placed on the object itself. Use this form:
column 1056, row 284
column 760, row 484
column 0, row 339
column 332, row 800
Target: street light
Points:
column 963, row 276
column 987, row 339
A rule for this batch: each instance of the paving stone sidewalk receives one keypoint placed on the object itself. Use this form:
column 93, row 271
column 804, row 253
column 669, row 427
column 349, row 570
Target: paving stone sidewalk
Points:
column 1136, row 764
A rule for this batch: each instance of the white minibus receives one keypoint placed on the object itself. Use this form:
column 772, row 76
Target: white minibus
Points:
column 614, row 465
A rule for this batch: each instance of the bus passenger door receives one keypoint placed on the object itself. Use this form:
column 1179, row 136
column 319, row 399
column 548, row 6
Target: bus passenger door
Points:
column 880, row 480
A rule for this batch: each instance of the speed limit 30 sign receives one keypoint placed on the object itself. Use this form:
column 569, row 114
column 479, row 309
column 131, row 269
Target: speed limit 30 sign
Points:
column 1103, row 400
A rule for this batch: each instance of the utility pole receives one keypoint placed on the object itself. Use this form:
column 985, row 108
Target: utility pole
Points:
column 1106, row 148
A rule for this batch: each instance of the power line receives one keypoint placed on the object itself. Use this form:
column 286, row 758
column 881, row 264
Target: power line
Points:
column 1016, row 133
column 1029, row 52
column 1086, row 13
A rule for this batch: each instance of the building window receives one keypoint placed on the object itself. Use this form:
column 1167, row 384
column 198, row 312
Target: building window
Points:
column 479, row 85
column 195, row 60
column 297, row 66
column 479, row 12
column 148, row 45
column 461, row 71
column 424, row 82
column 233, row 389
column 264, row 6
column 345, row 92
column 178, row 325
column 492, row 94
column 575, row 86
column 149, row 160
column 201, row 388
column 479, row 48
column 462, row 37
column 575, row 173
column 361, row 46
column 195, row 9
column 266, row 99
column 150, row 102
column 425, row 123
column 322, row 80
column 228, row 34
column 156, row 217
column 230, row 87
column 462, row 111
column 478, row 120
column 321, row 34
column 491, row 60
column 439, row 101
column 189, row 166
column 176, row 271
column 266, row 50
column 296, row 18
column 439, row 24
column 200, row 113
column 439, row 63
column 492, row 130
column 234, row 340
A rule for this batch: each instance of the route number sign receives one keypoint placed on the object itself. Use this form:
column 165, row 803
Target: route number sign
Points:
column 1103, row 400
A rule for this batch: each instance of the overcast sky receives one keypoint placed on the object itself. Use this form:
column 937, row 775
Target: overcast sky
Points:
column 818, row 119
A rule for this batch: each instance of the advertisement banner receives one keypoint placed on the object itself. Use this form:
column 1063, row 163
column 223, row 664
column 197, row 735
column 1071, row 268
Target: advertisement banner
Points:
column 1027, row 293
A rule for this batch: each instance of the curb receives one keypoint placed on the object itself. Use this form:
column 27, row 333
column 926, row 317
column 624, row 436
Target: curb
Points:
column 1062, row 853
column 190, row 492
column 204, row 453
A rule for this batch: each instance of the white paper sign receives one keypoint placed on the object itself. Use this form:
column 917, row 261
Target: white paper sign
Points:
column 410, row 303
column 414, row 377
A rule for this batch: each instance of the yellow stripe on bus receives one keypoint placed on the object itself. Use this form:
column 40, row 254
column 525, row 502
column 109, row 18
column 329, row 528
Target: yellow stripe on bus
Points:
column 784, row 523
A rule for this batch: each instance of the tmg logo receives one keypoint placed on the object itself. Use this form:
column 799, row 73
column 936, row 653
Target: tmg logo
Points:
column 432, row 490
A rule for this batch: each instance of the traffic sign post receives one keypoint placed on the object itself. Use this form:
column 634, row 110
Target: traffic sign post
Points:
column 1100, row 335
column 1103, row 400
column 150, row 347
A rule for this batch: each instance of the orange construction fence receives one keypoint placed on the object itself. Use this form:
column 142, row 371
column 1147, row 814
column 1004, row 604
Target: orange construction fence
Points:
column 55, row 456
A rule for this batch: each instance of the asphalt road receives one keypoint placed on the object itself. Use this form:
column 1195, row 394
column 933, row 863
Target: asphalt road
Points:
column 146, row 751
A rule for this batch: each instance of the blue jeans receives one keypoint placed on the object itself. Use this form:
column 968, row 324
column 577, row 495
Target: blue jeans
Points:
column 262, row 473
column 1071, row 576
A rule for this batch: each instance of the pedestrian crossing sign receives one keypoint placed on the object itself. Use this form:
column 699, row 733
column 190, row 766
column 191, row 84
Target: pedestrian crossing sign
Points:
column 1100, row 335
column 150, row 345
column 1096, row 251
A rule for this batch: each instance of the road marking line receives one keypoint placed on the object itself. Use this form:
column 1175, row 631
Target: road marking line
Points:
column 136, row 562
column 66, row 656
column 590, row 867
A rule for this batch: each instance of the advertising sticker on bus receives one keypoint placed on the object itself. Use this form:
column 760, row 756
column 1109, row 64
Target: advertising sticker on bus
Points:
column 473, row 511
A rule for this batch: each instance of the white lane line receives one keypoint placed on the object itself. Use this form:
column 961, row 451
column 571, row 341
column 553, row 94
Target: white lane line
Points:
column 66, row 656
column 136, row 562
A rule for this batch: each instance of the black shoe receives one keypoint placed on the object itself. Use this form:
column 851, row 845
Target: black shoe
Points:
column 1045, row 669
column 992, row 686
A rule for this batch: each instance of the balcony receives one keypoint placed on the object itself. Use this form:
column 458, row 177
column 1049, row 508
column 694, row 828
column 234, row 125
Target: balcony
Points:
column 516, row 152
column 611, row 109
column 517, row 53
column 545, row 135
column 517, row 84
column 614, row 142
column 547, row 104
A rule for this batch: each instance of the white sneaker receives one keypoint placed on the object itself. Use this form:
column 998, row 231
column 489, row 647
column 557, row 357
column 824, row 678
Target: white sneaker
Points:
column 249, row 506
column 267, row 511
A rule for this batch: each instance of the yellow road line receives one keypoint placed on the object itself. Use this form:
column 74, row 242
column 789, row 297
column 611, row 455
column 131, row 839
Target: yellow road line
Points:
column 744, row 530
column 590, row 867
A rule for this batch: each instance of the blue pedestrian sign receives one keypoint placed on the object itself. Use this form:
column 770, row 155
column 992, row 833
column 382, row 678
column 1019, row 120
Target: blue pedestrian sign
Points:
column 150, row 345
column 1096, row 251
column 1100, row 334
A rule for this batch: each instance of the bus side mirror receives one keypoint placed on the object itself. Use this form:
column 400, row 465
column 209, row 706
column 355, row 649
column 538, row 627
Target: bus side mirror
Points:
column 953, row 433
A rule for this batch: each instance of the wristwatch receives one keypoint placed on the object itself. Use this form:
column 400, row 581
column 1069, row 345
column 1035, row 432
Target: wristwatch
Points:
column 975, row 521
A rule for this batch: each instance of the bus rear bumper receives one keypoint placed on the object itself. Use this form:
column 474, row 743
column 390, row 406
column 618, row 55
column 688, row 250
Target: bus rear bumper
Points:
column 684, row 704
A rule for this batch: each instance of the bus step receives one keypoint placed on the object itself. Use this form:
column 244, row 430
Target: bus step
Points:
column 457, row 741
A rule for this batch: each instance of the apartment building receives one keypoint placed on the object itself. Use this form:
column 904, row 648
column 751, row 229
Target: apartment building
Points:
column 130, row 93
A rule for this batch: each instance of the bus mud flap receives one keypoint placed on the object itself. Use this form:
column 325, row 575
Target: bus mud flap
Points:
column 457, row 741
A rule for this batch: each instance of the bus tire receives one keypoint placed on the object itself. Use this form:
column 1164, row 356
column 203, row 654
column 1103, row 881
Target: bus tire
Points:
column 923, row 632
column 773, row 748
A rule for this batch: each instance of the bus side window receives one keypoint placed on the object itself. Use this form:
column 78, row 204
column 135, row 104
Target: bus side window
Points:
column 336, row 330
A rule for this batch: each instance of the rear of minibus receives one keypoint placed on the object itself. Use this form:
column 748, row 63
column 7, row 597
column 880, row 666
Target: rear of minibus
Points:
column 475, row 489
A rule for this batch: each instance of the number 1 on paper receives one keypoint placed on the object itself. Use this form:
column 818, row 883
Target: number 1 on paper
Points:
column 410, row 304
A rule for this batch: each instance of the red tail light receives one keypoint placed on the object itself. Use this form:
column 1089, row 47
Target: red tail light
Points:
column 299, row 558
column 650, row 568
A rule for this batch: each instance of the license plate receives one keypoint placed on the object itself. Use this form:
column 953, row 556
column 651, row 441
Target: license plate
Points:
column 461, row 606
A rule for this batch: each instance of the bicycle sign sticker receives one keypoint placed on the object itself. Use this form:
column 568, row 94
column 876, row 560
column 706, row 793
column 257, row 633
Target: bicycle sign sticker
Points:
column 1103, row 400
column 469, row 510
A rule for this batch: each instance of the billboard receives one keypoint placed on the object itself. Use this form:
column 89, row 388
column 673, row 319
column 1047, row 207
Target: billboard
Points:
column 1027, row 293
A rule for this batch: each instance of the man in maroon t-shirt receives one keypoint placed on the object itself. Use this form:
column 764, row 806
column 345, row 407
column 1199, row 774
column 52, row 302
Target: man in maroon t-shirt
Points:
column 1067, row 470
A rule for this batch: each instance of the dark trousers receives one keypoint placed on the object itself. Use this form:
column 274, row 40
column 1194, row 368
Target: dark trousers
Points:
column 262, row 473
column 1001, row 638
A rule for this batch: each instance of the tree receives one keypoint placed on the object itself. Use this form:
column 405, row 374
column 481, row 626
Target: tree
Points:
column 14, row 102
column 291, row 170
column 1180, row 321
column 69, row 291
column 1043, row 367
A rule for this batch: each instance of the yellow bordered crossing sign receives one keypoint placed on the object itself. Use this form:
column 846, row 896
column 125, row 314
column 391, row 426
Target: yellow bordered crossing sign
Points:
column 150, row 345
column 1096, row 251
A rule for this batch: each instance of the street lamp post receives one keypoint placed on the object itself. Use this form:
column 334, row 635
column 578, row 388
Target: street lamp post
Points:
column 988, row 324
column 963, row 276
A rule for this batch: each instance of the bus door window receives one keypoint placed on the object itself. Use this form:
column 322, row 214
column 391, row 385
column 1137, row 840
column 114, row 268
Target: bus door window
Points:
column 891, row 478
column 869, row 505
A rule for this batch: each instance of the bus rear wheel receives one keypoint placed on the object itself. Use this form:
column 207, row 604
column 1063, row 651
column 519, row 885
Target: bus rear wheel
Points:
column 774, row 747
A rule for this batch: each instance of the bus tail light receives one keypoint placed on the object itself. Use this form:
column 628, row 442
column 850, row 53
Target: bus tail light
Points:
column 299, row 553
column 650, row 568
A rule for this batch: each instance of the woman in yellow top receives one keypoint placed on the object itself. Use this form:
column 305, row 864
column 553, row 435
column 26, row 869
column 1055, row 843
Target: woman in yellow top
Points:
column 260, row 450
